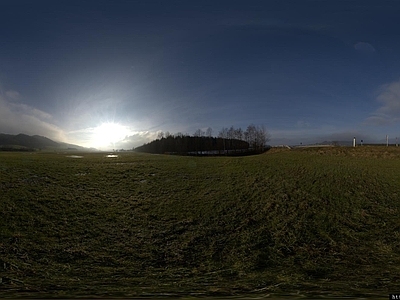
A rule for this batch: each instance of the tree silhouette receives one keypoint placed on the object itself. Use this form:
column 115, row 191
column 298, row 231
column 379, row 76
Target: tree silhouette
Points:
column 230, row 141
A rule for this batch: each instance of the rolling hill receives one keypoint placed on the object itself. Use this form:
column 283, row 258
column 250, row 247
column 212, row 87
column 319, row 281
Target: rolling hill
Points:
column 35, row 142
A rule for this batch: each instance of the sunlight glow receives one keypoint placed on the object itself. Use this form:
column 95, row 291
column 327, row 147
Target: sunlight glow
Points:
column 107, row 134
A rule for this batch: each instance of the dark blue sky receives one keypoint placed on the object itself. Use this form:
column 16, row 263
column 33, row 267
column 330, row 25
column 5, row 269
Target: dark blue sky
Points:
column 96, row 72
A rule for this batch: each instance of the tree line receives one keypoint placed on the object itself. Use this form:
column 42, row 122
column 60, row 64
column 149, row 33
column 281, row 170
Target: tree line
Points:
column 231, row 141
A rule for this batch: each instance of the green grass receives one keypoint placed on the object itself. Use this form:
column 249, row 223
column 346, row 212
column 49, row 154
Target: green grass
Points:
column 308, row 221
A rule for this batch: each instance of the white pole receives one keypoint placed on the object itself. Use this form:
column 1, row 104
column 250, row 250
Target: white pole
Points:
column 387, row 140
column 354, row 141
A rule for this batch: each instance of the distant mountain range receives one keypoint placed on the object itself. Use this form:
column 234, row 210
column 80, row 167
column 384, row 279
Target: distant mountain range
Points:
column 36, row 142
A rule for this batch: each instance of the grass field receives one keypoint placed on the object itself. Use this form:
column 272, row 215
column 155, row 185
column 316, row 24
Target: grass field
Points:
column 323, row 221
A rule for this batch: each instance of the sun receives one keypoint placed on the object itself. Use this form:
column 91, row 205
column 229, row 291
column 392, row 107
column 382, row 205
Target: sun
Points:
column 107, row 134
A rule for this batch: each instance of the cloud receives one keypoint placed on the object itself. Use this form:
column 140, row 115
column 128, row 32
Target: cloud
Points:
column 302, row 124
column 13, row 95
column 17, row 118
column 364, row 47
column 347, row 135
column 389, row 112
column 379, row 120
column 137, row 139
column 87, row 137
column 297, row 135
column 28, row 110
column 317, row 135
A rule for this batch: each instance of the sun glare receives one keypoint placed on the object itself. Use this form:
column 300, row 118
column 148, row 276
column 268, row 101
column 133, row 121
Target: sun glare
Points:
column 107, row 134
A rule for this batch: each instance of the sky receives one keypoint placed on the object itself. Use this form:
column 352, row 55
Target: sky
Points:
column 112, row 74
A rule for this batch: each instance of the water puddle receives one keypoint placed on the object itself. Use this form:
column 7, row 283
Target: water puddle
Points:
column 112, row 155
column 74, row 156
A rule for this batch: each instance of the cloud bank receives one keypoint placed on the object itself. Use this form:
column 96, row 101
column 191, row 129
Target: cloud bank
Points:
column 16, row 117
column 389, row 112
column 364, row 47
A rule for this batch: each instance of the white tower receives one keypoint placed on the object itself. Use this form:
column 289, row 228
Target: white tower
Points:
column 354, row 141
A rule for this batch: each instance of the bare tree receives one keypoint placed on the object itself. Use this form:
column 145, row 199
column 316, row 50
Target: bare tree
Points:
column 262, row 137
column 231, row 133
column 257, row 137
column 198, row 133
column 223, row 133
column 239, row 134
column 250, row 135
column 209, row 132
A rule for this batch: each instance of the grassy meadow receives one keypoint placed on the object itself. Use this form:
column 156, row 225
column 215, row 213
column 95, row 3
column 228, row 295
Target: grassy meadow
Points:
column 311, row 221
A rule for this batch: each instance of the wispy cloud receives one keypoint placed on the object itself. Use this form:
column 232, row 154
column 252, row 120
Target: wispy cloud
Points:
column 14, row 95
column 389, row 112
column 313, row 135
column 298, row 135
column 302, row 124
column 137, row 139
column 364, row 47
column 347, row 135
column 88, row 137
column 16, row 117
